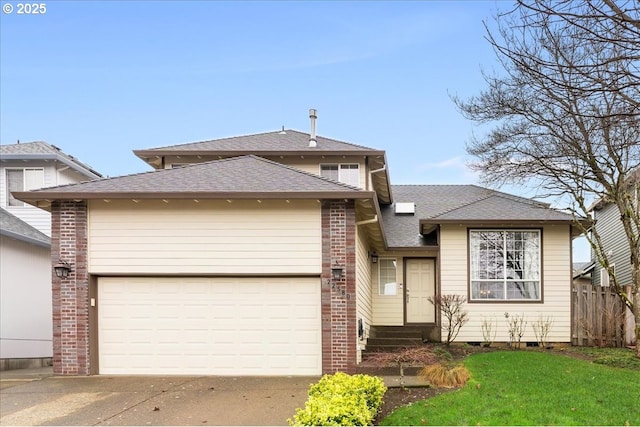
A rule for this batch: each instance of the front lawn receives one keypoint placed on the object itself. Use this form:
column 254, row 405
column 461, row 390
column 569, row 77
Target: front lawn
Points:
column 532, row 388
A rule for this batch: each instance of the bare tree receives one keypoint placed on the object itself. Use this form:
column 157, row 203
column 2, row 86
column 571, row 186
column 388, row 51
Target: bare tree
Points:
column 451, row 306
column 565, row 110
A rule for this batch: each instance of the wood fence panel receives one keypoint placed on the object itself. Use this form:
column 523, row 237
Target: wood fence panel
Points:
column 598, row 317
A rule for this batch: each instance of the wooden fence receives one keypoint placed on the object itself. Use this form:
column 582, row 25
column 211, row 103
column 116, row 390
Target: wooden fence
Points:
column 598, row 317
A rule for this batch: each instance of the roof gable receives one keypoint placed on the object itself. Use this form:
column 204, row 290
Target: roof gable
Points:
column 238, row 177
column 438, row 204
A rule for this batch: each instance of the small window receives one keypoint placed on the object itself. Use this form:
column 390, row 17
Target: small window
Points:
column 23, row 180
column 387, row 277
column 346, row 173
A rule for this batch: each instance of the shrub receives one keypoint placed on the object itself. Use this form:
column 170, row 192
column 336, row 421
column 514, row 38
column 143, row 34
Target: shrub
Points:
column 441, row 375
column 341, row 400
column 451, row 307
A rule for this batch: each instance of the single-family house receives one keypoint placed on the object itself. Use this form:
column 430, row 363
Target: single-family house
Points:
column 25, row 260
column 280, row 253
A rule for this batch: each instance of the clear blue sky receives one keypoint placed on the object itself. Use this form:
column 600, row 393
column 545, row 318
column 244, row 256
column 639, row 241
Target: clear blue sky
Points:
column 101, row 78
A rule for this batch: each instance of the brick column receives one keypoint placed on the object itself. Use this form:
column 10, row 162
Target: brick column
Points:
column 70, row 295
column 339, row 352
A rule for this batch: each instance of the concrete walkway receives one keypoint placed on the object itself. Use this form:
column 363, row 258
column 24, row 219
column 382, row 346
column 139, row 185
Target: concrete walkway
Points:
column 37, row 397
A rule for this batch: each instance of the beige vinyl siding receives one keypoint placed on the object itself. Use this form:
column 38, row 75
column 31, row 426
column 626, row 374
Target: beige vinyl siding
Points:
column 556, row 266
column 309, row 164
column 364, row 305
column 388, row 310
column 205, row 237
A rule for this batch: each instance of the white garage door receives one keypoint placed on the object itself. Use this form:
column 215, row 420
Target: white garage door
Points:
column 209, row 326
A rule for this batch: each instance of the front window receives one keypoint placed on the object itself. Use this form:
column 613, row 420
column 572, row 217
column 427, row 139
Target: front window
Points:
column 505, row 265
column 345, row 173
column 387, row 276
column 23, row 180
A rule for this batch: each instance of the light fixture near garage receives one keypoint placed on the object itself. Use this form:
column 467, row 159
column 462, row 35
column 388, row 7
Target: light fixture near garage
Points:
column 374, row 257
column 62, row 269
column 336, row 272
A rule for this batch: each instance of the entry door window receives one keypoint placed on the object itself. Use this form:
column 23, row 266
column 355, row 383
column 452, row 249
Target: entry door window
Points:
column 387, row 276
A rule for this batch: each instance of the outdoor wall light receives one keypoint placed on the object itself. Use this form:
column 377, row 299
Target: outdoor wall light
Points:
column 336, row 272
column 374, row 257
column 62, row 269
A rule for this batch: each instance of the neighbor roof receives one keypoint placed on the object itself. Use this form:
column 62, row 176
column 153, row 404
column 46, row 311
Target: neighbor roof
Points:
column 238, row 177
column 14, row 227
column 40, row 150
column 285, row 141
column 437, row 204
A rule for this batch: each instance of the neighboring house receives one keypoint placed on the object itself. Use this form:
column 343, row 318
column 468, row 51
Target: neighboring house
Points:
column 279, row 253
column 25, row 294
column 614, row 241
column 615, row 245
column 26, row 330
column 31, row 165
column 582, row 272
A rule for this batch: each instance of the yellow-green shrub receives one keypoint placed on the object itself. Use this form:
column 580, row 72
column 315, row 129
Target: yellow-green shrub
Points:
column 341, row 400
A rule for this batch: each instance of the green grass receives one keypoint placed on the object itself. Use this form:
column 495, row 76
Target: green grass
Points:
column 618, row 357
column 532, row 388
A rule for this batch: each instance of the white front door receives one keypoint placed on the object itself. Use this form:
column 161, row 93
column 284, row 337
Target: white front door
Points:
column 420, row 285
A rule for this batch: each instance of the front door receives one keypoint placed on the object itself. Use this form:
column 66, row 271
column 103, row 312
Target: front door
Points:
column 420, row 285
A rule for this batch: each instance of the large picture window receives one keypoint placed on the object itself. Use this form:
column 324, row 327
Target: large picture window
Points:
column 23, row 180
column 387, row 276
column 345, row 173
column 505, row 265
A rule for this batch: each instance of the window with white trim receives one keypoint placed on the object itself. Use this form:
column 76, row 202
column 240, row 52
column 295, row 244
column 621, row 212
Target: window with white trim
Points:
column 387, row 272
column 505, row 265
column 23, row 180
column 348, row 173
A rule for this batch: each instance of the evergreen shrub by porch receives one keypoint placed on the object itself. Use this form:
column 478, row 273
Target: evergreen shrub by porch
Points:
column 341, row 400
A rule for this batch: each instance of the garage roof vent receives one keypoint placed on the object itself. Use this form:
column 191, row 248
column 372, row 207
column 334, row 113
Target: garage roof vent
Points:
column 405, row 208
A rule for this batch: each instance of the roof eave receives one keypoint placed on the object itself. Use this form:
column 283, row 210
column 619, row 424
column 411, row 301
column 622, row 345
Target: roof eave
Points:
column 57, row 157
column 27, row 239
column 145, row 154
column 33, row 197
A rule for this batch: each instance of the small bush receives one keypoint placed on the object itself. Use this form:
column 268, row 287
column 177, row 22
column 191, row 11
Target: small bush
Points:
column 341, row 400
column 441, row 375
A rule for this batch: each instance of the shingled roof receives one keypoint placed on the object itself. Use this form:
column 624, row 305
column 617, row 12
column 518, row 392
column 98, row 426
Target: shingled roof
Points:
column 438, row 204
column 238, row 177
column 285, row 141
column 40, row 150
column 15, row 228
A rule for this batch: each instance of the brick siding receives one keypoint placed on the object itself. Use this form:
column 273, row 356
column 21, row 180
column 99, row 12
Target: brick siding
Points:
column 70, row 295
column 339, row 352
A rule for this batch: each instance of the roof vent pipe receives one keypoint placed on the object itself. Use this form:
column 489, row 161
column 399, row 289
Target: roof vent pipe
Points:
column 313, row 115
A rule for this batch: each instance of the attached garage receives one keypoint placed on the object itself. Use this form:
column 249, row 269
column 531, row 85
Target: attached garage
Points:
column 209, row 326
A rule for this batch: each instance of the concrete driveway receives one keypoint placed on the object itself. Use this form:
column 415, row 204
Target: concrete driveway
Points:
column 138, row 400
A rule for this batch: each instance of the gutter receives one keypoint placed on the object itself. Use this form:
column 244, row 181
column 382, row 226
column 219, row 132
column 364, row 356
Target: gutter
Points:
column 70, row 163
column 24, row 238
